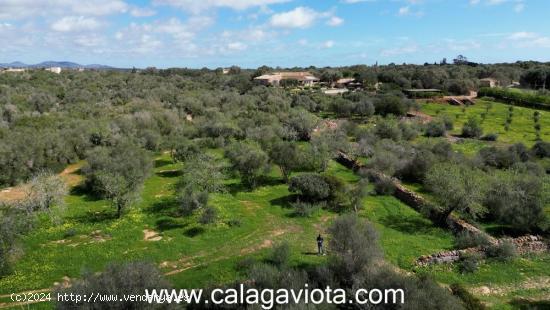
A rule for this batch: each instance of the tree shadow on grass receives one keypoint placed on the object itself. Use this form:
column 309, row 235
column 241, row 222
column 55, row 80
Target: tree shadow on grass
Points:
column 169, row 223
column 524, row 304
column 238, row 187
column 194, row 231
column 167, row 206
column 82, row 191
column 500, row 231
column 169, row 173
column 284, row 202
column 162, row 162
column 409, row 225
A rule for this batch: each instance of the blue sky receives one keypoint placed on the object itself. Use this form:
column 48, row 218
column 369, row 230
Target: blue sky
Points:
column 250, row 33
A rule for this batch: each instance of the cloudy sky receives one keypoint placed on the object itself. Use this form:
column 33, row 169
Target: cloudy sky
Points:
column 249, row 33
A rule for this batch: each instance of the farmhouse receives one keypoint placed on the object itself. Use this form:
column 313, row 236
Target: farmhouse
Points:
column 275, row 78
column 488, row 82
column 15, row 70
column 56, row 70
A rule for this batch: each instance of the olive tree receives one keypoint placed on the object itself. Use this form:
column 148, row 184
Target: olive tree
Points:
column 287, row 156
column 249, row 161
column 117, row 279
column 457, row 188
column 46, row 190
column 117, row 173
column 200, row 177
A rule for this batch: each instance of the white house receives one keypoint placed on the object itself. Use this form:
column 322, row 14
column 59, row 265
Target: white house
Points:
column 56, row 70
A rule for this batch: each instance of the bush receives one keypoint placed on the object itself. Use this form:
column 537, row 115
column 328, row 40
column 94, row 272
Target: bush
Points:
column 472, row 129
column 541, row 149
column 208, row 216
column 504, row 251
column 280, row 255
column 465, row 240
column 490, row 137
column 234, row 223
column 304, row 209
column 388, row 128
column 435, row 128
column 384, row 186
column 128, row 279
column 191, row 200
column 469, row 263
column 310, row 186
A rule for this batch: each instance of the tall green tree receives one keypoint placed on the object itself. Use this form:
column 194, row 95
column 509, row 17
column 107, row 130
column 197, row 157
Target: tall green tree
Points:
column 117, row 173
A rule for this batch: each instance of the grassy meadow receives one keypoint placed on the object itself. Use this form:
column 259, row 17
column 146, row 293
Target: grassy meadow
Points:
column 251, row 222
column 521, row 129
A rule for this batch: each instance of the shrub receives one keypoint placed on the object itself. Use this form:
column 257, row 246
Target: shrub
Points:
column 472, row 129
column 384, row 186
column 280, row 255
column 490, row 137
column 465, row 240
column 191, row 200
column 448, row 121
column 408, row 131
column 469, row 263
column 504, row 251
column 209, row 215
column 71, row 232
column 310, row 186
column 388, row 129
column 234, row 223
column 304, row 209
column 435, row 128
column 541, row 149
column 128, row 279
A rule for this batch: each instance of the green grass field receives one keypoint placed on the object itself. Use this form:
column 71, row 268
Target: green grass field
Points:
column 195, row 255
column 521, row 129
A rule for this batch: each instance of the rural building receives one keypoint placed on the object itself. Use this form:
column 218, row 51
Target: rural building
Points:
column 488, row 82
column 56, row 70
column 15, row 70
column 344, row 83
column 275, row 78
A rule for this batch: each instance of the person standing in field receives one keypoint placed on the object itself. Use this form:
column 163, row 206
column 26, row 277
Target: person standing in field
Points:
column 320, row 250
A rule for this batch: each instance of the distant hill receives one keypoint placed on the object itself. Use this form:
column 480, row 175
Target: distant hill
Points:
column 48, row 64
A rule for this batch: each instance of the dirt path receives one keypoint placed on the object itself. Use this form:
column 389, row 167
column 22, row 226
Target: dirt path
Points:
column 69, row 175
column 536, row 283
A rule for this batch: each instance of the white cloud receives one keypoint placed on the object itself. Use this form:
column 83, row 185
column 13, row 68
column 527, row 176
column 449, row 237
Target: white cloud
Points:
column 405, row 10
column 300, row 17
column 522, row 35
column 328, row 44
column 335, row 21
column 202, row 5
column 75, row 23
column 142, row 12
column 236, row 46
column 89, row 40
column 303, row 17
column 518, row 5
column 17, row 9
column 97, row 7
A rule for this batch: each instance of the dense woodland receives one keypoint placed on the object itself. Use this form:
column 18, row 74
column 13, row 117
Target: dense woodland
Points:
column 115, row 121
